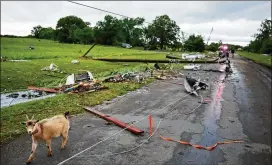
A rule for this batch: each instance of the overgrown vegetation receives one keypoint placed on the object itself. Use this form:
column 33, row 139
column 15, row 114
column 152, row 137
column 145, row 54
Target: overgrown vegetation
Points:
column 262, row 42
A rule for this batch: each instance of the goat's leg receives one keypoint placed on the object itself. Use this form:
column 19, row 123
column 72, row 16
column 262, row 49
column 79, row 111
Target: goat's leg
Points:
column 48, row 144
column 33, row 150
column 64, row 139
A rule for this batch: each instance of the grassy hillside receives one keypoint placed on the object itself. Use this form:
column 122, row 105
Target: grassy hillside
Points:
column 21, row 74
column 17, row 48
column 258, row 58
column 18, row 75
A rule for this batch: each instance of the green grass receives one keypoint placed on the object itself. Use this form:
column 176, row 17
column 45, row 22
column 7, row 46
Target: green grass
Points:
column 15, row 48
column 11, row 117
column 18, row 75
column 258, row 58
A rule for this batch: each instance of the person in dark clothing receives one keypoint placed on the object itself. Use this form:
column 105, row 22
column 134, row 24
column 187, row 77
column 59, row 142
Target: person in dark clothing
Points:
column 232, row 52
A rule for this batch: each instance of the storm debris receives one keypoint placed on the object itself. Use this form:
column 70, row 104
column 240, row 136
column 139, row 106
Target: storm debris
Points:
column 192, row 85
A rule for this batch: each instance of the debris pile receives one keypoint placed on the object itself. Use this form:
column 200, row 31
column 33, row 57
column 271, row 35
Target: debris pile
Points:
column 52, row 67
column 192, row 85
column 130, row 76
column 75, row 83
column 192, row 67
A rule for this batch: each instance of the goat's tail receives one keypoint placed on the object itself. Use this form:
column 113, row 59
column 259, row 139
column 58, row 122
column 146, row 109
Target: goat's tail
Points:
column 66, row 114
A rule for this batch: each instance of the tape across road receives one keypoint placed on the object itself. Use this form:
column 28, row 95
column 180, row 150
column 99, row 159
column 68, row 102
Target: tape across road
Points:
column 209, row 148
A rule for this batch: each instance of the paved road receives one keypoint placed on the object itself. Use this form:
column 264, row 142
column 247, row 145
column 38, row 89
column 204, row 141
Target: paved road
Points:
column 240, row 109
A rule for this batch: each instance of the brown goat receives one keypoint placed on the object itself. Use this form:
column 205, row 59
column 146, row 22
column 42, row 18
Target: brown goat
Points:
column 45, row 130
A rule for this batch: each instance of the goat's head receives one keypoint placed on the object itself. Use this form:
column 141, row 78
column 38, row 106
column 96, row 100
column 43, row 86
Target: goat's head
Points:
column 29, row 124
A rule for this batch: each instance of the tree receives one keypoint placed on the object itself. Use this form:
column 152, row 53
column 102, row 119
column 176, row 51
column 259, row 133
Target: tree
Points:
column 47, row 33
column 84, row 35
column 107, row 31
column 194, row 43
column 212, row 47
column 35, row 32
column 262, row 39
column 66, row 26
column 131, row 32
column 162, row 32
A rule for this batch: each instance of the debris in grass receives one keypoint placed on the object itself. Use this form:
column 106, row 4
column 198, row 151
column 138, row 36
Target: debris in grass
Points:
column 52, row 67
column 19, row 60
column 75, row 61
column 4, row 58
column 129, row 76
column 31, row 47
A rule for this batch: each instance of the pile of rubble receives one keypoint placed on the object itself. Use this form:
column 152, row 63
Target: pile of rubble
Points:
column 126, row 77
column 75, row 83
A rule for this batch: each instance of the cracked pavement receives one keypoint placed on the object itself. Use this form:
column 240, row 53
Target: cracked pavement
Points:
column 240, row 109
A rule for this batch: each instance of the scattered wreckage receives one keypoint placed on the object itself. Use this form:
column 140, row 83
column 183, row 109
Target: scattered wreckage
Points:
column 75, row 83
column 192, row 85
column 126, row 77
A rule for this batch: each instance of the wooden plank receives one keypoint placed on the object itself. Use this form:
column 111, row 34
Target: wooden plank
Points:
column 42, row 89
column 121, row 124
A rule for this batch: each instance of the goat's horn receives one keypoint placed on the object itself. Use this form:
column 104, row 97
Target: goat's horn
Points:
column 32, row 117
column 27, row 117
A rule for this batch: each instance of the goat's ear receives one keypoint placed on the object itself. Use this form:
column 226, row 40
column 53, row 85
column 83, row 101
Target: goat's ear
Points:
column 23, row 123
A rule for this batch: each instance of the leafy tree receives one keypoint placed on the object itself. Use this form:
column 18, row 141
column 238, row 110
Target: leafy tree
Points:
column 84, row 35
column 131, row 32
column 194, row 43
column 162, row 32
column 262, row 39
column 47, row 33
column 66, row 26
column 212, row 47
column 35, row 32
column 107, row 31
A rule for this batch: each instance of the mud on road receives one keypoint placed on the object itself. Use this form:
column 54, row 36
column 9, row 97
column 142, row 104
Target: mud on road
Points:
column 240, row 108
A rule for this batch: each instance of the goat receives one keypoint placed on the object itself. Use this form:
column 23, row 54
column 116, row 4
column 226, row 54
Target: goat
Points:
column 45, row 129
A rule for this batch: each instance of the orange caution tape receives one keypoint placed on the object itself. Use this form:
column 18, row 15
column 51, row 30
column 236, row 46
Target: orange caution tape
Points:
column 150, row 124
column 209, row 148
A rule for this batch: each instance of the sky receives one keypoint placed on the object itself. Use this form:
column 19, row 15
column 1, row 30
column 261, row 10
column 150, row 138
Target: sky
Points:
column 233, row 22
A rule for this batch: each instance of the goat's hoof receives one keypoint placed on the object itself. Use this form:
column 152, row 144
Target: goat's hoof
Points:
column 62, row 148
column 28, row 162
column 49, row 154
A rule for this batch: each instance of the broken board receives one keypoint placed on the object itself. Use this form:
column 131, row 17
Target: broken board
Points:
column 121, row 124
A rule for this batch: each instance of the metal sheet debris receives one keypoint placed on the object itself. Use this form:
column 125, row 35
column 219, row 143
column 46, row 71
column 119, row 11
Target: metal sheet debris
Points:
column 192, row 67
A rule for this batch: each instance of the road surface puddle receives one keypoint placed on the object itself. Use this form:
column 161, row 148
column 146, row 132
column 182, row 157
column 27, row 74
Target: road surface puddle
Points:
column 211, row 115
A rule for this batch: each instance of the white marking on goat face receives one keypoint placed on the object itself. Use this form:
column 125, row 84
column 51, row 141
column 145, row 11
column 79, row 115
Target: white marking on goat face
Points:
column 30, row 126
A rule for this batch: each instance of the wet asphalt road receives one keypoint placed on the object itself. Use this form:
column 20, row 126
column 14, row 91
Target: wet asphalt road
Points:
column 240, row 108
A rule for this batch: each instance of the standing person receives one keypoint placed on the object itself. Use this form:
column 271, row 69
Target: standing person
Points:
column 232, row 52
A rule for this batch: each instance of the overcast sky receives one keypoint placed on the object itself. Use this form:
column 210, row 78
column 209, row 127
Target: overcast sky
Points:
column 233, row 22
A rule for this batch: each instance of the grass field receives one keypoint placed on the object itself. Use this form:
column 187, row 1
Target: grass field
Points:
column 18, row 75
column 258, row 58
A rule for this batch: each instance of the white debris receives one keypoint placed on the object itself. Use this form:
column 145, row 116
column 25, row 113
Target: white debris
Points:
column 52, row 67
column 19, row 60
column 192, row 56
column 75, row 61
column 70, row 79
column 192, row 67
column 188, row 88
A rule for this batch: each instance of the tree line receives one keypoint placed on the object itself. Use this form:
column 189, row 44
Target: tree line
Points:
column 162, row 33
column 262, row 42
